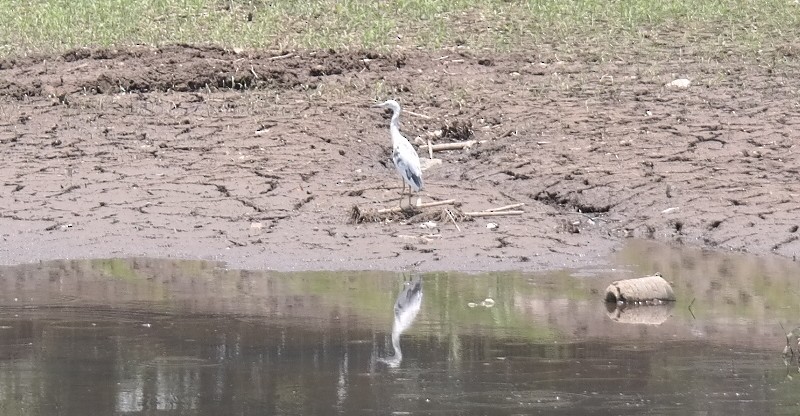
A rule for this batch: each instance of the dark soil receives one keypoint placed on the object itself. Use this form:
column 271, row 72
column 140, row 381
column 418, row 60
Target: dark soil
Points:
column 258, row 158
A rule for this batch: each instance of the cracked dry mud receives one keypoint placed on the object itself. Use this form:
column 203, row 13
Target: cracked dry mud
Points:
column 254, row 160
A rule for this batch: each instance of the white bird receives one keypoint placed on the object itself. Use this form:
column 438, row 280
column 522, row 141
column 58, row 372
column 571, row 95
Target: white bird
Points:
column 406, row 308
column 405, row 158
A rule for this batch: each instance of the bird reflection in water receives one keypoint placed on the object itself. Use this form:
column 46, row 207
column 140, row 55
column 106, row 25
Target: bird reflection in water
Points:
column 405, row 311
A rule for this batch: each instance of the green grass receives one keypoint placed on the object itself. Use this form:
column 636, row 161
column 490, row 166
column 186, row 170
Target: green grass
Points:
column 56, row 25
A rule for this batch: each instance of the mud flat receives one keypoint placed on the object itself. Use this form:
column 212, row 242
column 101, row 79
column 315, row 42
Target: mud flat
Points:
column 197, row 152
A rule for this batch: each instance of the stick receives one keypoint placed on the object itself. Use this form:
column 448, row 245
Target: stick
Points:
column 425, row 205
column 418, row 114
column 450, row 214
column 492, row 214
column 430, row 148
column 286, row 55
column 486, row 174
column 506, row 208
column 451, row 146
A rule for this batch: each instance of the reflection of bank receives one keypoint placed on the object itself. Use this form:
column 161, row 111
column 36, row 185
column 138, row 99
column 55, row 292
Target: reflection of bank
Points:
column 406, row 308
column 640, row 314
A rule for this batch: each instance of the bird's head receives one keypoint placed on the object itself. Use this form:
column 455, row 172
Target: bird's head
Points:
column 390, row 104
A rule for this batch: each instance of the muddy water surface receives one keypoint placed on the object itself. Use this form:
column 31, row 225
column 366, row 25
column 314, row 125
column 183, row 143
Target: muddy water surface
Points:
column 147, row 336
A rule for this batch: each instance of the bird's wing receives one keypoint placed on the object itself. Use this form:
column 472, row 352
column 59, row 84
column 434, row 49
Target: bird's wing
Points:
column 405, row 148
column 406, row 168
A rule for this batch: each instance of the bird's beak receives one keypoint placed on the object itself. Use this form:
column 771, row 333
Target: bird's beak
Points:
column 376, row 106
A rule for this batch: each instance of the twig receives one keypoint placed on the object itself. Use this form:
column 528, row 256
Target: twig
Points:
column 430, row 148
column 506, row 208
column 425, row 205
column 450, row 146
column 450, row 214
column 275, row 217
column 492, row 214
column 486, row 174
column 284, row 56
column 418, row 114
column 690, row 307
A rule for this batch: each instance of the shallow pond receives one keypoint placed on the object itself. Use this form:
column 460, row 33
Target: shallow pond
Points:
column 146, row 336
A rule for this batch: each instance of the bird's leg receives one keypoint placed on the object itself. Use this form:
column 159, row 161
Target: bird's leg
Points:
column 402, row 194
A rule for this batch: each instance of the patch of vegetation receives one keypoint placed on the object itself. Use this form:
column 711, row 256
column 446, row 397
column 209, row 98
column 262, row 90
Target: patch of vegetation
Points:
column 46, row 26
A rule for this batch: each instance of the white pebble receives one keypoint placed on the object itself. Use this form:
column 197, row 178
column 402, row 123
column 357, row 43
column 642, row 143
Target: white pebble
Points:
column 680, row 83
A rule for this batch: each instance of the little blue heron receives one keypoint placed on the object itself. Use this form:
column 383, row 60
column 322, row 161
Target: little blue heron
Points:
column 405, row 158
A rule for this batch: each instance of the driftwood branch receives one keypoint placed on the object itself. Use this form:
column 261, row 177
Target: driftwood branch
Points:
column 493, row 213
column 416, row 213
column 506, row 208
column 448, row 146
column 425, row 205
column 430, row 149
column 452, row 218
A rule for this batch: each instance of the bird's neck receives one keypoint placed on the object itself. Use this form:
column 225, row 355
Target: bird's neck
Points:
column 394, row 125
column 396, row 345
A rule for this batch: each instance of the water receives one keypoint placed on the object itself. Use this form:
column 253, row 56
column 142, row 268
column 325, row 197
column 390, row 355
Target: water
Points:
column 156, row 337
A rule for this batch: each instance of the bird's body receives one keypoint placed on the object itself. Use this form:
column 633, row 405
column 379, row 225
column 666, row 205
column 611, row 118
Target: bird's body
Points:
column 404, row 157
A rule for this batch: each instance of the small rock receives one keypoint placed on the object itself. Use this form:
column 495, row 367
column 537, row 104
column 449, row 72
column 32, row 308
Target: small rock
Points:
column 488, row 302
column 492, row 226
column 472, row 304
column 257, row 225
column 429, row 224
column 680, row 83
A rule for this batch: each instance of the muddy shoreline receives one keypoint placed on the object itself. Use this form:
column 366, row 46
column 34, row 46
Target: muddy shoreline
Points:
column 203, row 153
